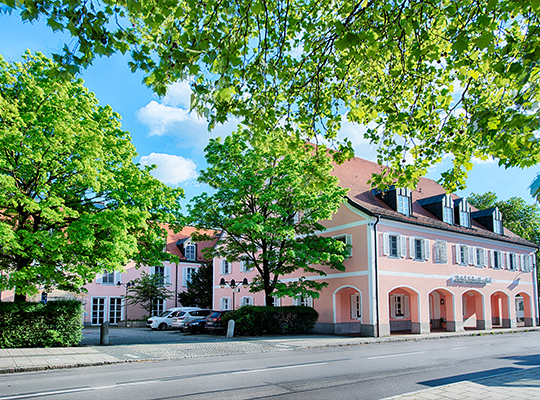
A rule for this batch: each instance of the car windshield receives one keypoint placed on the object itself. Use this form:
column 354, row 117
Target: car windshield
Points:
column 181, row 313
column 164, row 314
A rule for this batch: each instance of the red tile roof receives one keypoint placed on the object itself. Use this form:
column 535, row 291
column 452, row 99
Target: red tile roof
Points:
column 185, row 233
column 355, row 173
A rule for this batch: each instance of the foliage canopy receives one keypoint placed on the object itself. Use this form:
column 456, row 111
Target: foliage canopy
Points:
column 146, row 290
column 72, row 201
column 270, row 196
column 427, row 77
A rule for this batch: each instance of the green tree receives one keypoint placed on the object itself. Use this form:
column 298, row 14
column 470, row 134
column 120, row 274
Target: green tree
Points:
column 519, row 216
column 271, row 193
column 200, row 290
column 72, row 201
column 146, row 291
column 428, row 78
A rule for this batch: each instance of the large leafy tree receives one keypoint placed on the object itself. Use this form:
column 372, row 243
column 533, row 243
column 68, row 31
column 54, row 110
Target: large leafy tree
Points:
column 270, row 195
column 519, row 216
column 428, row 77
column 72, row 201
column 146, row 290
column 200, row 289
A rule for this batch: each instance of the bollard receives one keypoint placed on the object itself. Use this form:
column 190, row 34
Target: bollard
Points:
column 230, row 329
column 104, row 333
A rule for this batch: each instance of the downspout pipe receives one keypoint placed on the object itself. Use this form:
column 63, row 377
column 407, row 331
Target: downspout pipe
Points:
column 376, row 276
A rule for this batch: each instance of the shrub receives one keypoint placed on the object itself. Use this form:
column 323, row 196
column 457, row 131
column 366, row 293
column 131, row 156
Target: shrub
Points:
column 27, row 324
column 262, row 320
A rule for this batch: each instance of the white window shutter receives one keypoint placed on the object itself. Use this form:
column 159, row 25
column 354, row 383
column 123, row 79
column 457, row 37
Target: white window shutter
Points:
column 492, row 256
column 356, row 306
column 411, row 247
column 167, row 276
column 386, row 246
column 485, row 261
column 221, row 267
column 99, row 278
column 458, row 253
column 403, row 240
column 296, row 301
column 507, row 260
column 348, row 242
column 472, row 256
column 426, row 251
column 184, row 276
column 152, row 270
column 242, row 266
column 406, row 301
column 522, row 262
column 392, row 306
column 117, row 277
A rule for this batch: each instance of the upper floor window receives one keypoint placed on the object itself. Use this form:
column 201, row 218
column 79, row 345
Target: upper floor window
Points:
column 225, row 267
column 464, row 219
column 418, row 248
column 403, row 205
column 480, row 257
column 347, row 239
column 512, row 261
column 188, row 275
column 447, row 215
column 496, row 259
column 246, row 266
column 394, row 245
column 108, row 278
column 191, row 252
column 160, row 271
column 462, row 254
column 498, row 226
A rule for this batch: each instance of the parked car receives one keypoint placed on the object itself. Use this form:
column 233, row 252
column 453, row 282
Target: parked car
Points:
column 181, row 318
column 214, row 323
column 196, row 326
column 164, row 320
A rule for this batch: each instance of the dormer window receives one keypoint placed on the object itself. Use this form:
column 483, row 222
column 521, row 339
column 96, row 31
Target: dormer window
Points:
column 448, row 215
column 191, row 251
column 462, row 212
column 491, row 218
column 403, row 205
column 464, row 219
column 441, row 206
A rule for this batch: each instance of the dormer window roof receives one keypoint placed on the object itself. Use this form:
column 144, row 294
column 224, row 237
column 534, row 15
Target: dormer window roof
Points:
column 441, row 206
column 187, row 248
column 398, row 199
column 491, row 218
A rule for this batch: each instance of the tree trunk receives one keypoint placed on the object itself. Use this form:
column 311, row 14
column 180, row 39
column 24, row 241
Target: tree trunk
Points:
column 19, row 297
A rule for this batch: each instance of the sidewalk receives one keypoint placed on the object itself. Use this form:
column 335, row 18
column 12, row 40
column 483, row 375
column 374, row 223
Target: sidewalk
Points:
column 166, row 345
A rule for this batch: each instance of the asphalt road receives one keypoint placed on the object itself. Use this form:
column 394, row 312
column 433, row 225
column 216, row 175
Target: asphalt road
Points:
column 355, row 372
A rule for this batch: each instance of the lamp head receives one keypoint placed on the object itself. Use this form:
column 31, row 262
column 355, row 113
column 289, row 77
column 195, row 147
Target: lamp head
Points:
column 222, row 283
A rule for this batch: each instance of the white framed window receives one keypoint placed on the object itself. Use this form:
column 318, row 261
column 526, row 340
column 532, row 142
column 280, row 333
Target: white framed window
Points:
column 246, row 301
column 246, row 266
column 347, row 239
column 115, row 310
column 276, row 301
column 98, row 310
column 511, row 261
column 464, row 219
column 225, row 303
column 356, row 306
column 403, row 205
column 225, row 267
column 448, row 215
column 527, row 263
column 187, row 275
column 462, row 254
column 191, row 252
column 394, row 245
column 496, row 259
column 303, row 301
column 158, row 306
column 164, row 272
column 418, row 248
column 399, row 306
column 498, row 226
column 441, row 252
column 108, row 278
column 481, row 257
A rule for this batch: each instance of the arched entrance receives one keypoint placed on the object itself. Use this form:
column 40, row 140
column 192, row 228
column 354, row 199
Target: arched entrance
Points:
column 472, row 303
column 347, row 310
column 441, row 310
column 500, row 310
column 404, row 310
column 524, row 307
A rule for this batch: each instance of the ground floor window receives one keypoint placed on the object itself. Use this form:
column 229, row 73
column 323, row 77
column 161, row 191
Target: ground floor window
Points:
column 303, row 301
column 356, row 306
column 246, row 301
column 98, row 310
column 158, row 306
column 399, row 306
column 225, row 303
column 115, row 310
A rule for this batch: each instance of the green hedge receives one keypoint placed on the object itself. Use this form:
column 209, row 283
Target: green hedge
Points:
column 262, row 320
column 55, row 324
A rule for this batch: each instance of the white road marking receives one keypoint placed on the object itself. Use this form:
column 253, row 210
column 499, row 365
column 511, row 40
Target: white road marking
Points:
column 276, row 368
column 396, row 355
column 85, row 389
column 459, row 348
column 132, row 356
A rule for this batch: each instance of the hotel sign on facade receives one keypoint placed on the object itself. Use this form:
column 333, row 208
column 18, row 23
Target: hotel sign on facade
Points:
column 471, row 279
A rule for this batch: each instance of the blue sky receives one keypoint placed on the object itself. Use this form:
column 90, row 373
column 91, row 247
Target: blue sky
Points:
column 166, row 134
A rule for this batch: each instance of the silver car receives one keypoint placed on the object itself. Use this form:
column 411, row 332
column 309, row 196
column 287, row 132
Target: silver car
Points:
column 183, row 317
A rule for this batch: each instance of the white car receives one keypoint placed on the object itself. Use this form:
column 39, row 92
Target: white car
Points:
column 164, row 320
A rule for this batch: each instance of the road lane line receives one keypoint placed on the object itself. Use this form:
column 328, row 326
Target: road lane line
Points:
column 458, row 348
column 64, row 391
column 395, row 355
column 276, row 368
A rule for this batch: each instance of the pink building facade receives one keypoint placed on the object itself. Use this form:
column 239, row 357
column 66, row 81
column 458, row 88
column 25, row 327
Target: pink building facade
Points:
column 421, row 261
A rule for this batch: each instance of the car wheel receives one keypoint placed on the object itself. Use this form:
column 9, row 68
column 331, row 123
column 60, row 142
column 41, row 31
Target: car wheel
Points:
column 162, row 326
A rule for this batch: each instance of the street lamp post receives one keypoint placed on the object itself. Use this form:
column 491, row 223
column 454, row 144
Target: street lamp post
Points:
column 126, row 285
column 234, row 286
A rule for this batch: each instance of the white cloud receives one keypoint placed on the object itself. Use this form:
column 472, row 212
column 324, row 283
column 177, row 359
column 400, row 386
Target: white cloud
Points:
column 161, row 118
column 178, row 95
column 171, row 169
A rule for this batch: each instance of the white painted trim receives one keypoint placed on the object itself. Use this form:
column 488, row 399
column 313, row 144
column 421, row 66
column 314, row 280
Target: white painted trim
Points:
column 334, row 300
column 343, row 227
column 454, row 235
column 329, row 276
